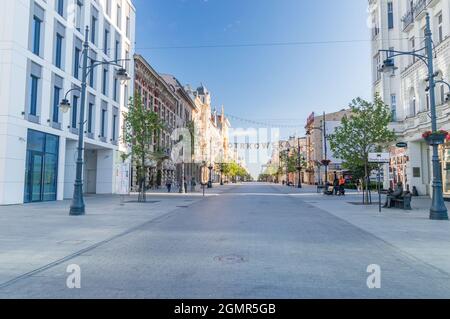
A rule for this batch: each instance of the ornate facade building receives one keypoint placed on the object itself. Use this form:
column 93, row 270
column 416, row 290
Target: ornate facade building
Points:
column 400, row 25
column 159, row 96
column 212, row 133
column 316, row 147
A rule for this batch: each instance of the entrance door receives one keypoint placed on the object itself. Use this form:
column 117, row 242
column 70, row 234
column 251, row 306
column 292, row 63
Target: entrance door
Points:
column 33, row 183
column 91, row 181
column 41, row 167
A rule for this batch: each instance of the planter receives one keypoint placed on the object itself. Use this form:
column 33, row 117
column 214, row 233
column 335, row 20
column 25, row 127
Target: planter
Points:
column 436, row 139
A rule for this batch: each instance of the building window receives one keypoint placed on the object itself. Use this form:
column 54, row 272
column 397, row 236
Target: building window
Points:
column 78, row 15
column 390, row 7
column 58, row 50
column 34, row 85
column 393, row 107
column 116, row 87
column 108, row 7
column 105, row 82
column 412, row 103
column 376, row 67
column 128, row 28
column 103, row 123
column 106, row 42
column 56, row 98
column 114, row 126
column 125, row 95
column 37, row 23
column 76, row 63
column 440, row 28
column 117, row 50
column 74, row 111
column 119, row 17
column 412, row 47
column 60, row 7
column 93, row 29
column 90, row 117
column 92, row 74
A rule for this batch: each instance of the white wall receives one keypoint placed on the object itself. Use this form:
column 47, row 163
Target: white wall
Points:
column 14, row 58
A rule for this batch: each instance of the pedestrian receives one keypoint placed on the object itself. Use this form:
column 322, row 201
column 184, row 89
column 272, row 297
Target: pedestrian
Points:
column 169, row 185
column 193, row 184
column 393, row 195
column 336, row 185
column 185, row 184
column 342, row 186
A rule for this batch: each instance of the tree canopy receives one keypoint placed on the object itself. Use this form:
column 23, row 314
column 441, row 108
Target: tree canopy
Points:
column 366, row 130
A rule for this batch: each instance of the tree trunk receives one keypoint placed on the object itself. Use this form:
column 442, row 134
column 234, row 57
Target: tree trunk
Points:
column 142, row 192
column 366, row 182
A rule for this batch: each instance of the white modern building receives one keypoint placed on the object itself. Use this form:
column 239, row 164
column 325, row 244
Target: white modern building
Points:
column 400, row 25
column 40, row 60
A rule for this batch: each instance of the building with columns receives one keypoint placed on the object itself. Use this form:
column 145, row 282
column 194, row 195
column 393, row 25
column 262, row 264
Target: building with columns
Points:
column 211, row 132
column 400, row 25
column 40, row 54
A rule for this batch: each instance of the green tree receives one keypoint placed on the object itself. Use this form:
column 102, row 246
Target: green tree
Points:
column 366, row 130
column 140, row 126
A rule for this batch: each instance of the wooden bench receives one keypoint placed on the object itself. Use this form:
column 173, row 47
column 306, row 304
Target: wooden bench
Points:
column 403, row 202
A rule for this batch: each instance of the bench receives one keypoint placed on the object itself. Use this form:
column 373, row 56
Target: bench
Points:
column 402, row 202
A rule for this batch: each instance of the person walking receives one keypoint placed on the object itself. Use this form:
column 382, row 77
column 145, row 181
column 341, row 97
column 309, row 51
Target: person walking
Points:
column 336, row 185
column 169, row 185
column 185, row 185
column 342, row 186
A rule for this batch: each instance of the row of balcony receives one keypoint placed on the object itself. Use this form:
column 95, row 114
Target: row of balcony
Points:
column 417, row 11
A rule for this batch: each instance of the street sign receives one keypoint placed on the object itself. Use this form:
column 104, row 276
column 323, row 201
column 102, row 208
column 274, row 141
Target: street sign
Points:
column 402, row 145
column 379, row 157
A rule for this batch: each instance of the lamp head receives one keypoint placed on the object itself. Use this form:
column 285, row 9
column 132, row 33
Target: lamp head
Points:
column 64, row 106
column 388, row 66
column 122, row 75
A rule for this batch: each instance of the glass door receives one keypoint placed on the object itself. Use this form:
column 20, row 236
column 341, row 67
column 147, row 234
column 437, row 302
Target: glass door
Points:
column 33, row 177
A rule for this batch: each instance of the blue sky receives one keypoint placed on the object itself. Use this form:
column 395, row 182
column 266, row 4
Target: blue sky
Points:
column 282, row 83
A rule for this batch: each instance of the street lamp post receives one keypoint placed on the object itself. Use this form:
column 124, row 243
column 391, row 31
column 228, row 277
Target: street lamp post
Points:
column 210, row 168
column 299, row 165
column 221, row 173
column 78, row 207
column 438, row 210
column 287, row 166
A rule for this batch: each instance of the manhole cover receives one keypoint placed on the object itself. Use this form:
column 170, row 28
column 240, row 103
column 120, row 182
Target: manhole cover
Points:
column 71, row 242
column 182, row 206
column 230, row 259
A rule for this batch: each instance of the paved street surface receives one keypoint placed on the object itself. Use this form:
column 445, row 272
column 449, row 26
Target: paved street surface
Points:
column 246, row 241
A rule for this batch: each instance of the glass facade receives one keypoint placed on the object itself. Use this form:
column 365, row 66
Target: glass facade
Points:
column 41, row 170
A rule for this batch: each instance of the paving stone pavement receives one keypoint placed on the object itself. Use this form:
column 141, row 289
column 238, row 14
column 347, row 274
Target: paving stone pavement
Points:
column 249, row 241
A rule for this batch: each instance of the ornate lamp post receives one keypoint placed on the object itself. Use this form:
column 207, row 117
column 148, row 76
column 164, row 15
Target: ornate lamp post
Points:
column 210, row 183
column 78, row 207
column 287, row 166
column 438, row 210
column 299, row 165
